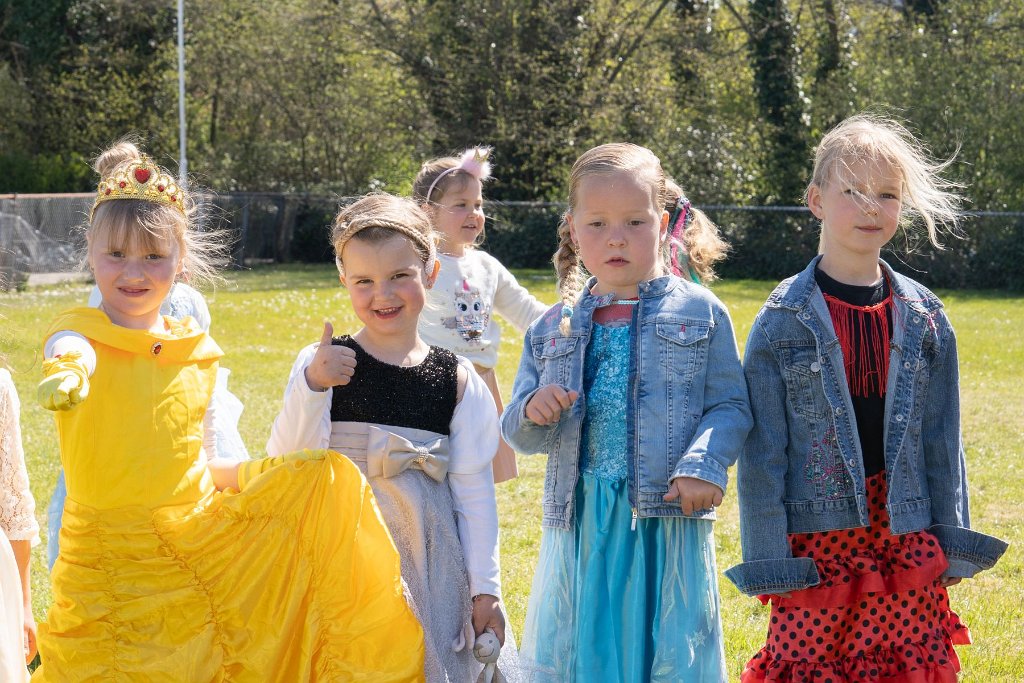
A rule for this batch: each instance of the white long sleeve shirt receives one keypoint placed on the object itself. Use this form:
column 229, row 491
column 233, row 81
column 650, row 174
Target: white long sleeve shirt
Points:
column 17, row 507
column 460, row 306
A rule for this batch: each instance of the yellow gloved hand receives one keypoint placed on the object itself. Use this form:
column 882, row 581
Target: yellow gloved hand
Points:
column 66, row 382
column 250, row 469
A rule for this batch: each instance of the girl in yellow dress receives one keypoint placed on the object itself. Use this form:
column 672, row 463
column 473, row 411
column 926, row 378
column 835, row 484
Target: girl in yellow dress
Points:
column 177, row 565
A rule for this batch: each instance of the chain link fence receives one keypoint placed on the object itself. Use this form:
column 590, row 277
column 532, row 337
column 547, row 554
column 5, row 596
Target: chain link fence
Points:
column 40, row 233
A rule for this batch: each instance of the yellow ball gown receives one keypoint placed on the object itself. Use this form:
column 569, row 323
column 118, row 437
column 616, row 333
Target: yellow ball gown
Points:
column 162, row 578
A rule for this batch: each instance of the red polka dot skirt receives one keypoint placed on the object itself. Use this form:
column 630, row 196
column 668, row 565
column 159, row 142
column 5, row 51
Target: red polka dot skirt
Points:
column 879, row 613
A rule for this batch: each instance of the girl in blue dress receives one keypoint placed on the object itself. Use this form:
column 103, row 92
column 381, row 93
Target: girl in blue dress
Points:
column 633, row 387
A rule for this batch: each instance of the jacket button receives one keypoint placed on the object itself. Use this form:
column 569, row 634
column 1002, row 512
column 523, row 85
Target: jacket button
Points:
column 916, row 319
column 815, row 367
column 839, row 411
column 906, row 364
column 899, row 418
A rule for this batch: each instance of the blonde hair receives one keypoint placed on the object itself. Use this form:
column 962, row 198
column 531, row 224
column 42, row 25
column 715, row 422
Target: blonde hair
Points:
column 616, row 157
column 378, row 217
column 702, row 243
column 869, row 137
column 148, row 223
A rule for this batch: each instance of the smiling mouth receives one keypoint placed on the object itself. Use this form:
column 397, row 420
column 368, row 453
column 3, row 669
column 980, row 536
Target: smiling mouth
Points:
column 387, row 312
column 132, row 291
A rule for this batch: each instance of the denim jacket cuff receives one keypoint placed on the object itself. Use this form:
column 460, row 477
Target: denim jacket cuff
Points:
column 967, row 551
column 703, row 468
column 768, row 577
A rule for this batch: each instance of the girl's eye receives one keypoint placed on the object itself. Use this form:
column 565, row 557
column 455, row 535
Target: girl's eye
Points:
column 116, row 254
column 398, row 276
column 363, row 282
column 636, row 222
column 596, row 224
column 154, row 257
column 889, row 195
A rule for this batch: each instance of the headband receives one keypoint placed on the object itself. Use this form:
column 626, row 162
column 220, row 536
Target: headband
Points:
column 139, row 179
column 473, row 161
column 360, row 223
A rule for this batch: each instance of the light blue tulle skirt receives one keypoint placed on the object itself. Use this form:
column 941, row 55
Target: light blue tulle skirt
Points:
column 614, row 604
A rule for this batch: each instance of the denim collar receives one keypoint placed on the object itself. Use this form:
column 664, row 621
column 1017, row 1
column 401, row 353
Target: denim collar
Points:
column 797, row 295
column 647, row 289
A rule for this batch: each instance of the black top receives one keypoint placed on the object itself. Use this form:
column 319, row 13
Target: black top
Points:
column 422, row 396
column 868, row 409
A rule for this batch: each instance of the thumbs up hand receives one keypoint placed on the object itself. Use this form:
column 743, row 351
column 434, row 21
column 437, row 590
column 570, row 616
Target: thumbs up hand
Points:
column 332, row 366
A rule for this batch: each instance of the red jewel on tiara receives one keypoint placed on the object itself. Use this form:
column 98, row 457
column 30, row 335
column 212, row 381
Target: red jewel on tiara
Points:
column 156, row 348
column 142, row 174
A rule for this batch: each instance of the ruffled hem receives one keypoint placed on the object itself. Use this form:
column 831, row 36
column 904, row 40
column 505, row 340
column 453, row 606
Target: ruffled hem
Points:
column 294, row 579
column 904, row 663
column 892, row 569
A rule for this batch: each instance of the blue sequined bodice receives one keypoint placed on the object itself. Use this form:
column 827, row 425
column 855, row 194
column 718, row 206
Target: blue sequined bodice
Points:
column 606, row 383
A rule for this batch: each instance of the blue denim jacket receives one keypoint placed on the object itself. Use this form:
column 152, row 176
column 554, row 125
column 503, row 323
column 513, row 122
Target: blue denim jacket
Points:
column 802, row 469
column 689, row 410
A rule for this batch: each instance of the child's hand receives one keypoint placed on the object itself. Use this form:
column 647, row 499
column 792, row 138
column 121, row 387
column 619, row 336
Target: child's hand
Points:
column 694, row 494
column 548, row 403
column 487, row 615
column 63, row 390
column 332, row 366
column 947, row 581
column 30, row 636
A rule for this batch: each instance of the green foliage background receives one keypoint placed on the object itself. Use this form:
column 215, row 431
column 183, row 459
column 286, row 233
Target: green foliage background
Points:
column 319, row 96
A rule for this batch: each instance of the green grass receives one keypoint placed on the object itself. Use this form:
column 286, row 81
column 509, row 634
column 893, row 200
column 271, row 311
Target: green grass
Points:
column 263, row 317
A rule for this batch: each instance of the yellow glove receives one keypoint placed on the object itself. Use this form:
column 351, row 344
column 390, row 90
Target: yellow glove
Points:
column 66, row 382
column 250, row 469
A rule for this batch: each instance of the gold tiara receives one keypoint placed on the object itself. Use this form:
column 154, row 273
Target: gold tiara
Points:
column 140, row 179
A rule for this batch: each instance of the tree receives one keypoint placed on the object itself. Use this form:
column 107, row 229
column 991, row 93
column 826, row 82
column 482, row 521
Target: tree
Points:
column 535, row 79
column 780, row 99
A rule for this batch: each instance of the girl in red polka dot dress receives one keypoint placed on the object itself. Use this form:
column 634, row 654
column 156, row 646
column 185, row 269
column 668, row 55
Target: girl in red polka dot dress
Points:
column 852, row 485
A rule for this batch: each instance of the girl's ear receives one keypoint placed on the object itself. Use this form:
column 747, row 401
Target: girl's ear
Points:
column 814, row 201
column 572, row 228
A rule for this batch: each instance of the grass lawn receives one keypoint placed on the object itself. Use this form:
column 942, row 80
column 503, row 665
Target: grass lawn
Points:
column 261, row 318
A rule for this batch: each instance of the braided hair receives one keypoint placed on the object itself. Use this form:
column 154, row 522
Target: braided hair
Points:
column 378, row 217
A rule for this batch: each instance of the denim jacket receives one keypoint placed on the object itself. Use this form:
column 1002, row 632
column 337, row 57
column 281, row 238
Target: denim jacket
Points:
column 802, row 469
column 689, row 412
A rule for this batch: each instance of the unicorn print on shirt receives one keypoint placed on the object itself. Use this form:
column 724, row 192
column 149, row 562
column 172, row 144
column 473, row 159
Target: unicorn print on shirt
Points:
column 472, row 314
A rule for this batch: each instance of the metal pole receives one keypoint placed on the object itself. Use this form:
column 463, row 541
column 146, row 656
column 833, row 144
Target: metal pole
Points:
column 182, row 159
